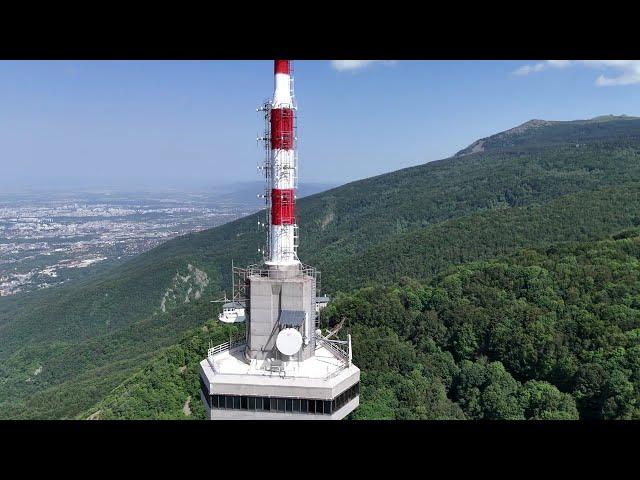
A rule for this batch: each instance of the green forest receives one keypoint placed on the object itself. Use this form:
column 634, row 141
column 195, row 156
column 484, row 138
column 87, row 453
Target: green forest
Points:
column 550, row 334
column 542, row 334
column 493, row 279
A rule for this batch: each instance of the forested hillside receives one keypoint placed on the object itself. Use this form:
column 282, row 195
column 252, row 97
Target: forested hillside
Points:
column 424, row 252
column 550, row 333
column 64, row 349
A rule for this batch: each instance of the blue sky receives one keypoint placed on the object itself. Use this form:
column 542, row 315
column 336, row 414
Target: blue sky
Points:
column 193, row 123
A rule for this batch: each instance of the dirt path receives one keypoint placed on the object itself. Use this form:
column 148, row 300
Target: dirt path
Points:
column 95, row 415
column 187, row 409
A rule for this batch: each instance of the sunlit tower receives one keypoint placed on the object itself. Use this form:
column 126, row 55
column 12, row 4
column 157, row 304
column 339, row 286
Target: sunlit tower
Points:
column 284, row 368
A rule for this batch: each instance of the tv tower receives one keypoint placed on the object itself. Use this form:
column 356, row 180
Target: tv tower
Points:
column 281, row 169
column 284, row 367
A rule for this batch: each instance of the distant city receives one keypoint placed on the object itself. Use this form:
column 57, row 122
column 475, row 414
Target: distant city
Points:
column 47, row 239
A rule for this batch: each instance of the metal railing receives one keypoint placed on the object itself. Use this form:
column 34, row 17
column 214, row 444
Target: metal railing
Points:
column 331, row 345
column 224, row 347
column 335, row 347
column 262, row 271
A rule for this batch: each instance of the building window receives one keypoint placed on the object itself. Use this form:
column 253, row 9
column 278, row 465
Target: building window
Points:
column 281, row 404
column 203, row 387
column 345, row 397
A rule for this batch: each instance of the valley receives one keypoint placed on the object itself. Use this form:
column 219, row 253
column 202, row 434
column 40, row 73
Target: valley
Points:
column 406, row 257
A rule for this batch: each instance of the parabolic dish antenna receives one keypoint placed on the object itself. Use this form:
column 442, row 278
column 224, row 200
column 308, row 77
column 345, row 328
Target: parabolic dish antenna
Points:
column 289, row 341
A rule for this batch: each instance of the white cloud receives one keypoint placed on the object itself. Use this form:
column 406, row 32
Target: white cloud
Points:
column 538, row 67
column 623, row 72
column 354, row 65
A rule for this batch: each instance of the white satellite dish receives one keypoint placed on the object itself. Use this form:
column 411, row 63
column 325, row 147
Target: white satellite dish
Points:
column 289, row 341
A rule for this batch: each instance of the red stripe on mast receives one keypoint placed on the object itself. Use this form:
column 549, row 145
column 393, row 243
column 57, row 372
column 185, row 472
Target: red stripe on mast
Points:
column 281, row 66
column 282, row 206
column 282, row 128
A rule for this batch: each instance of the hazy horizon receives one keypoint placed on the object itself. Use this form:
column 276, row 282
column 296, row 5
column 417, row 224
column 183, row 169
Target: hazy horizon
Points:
column 186, row 187
column 193, row 124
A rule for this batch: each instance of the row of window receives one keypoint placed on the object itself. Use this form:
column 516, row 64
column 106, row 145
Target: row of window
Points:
column 280, row 404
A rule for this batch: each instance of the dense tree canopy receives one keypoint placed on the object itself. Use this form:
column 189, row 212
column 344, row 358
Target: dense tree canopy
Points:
column 547, row 334
column 571, row 324
column 542, row 334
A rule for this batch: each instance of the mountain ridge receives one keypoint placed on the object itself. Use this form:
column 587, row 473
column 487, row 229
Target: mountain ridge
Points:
column 85, row 339
column 480, row 145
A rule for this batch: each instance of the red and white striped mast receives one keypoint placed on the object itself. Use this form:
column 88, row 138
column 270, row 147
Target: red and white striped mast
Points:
column 281, row 170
